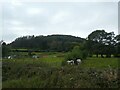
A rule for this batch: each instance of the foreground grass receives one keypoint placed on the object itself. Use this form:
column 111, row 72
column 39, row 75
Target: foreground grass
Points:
column 66, row 77
column 48, row 72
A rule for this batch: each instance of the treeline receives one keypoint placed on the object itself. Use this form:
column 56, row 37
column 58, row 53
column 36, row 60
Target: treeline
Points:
column 102, row 43
column 47, row 43
column 97, row 43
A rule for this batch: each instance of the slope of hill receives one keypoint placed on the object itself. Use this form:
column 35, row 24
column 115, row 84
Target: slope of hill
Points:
column 47, row 43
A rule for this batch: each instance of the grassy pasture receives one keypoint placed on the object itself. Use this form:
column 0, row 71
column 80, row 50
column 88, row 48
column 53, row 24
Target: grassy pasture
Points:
column 53, row 61
column 100, row 63
column 47, row 71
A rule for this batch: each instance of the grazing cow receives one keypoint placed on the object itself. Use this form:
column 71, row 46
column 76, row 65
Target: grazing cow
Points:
column 10, row 57
column 79, row 61
column 70, row 62
column 34, row 56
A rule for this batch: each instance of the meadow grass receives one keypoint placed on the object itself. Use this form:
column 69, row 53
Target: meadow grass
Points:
column 53, row 61
column 57, row 61
column 100, row 63
column 48, row 72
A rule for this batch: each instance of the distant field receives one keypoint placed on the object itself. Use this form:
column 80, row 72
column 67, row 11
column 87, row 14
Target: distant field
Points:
column 100, row 63
column 55, row 59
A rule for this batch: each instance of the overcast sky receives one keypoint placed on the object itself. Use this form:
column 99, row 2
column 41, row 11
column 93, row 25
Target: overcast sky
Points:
column 70, row 18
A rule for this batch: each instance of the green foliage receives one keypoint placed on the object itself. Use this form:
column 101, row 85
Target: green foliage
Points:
column 5, row 50
column 77, row 52
column 101, row 42
column 47, row 43
column 117, row 46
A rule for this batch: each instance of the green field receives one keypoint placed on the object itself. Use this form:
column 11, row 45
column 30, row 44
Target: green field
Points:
column 100, row 63
column 48, row 71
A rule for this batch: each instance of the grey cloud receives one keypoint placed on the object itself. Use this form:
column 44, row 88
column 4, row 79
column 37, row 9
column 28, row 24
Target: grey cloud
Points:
column 78, row 19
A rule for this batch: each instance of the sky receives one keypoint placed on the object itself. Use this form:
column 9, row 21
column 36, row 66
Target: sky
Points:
column 46, row 18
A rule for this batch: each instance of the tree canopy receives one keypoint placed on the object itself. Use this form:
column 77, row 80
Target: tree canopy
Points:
column 99, row 42
column 47, row 43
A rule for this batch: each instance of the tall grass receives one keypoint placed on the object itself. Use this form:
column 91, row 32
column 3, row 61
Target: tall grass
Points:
column 48, row 72
column 67, row 77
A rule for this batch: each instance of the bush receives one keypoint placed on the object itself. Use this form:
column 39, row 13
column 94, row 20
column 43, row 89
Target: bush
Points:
column 5, row 50
column 76, row 53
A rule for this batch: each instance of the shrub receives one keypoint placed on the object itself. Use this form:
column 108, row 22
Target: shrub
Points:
column 76, row 53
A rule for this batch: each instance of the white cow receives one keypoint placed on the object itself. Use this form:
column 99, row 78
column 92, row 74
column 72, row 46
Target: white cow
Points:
column 34, row 56
column 79, row 61
column 70, row 62
column 10, row 57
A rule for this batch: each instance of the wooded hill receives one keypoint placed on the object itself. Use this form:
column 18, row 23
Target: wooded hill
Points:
column 47, row 43
column 99, row 42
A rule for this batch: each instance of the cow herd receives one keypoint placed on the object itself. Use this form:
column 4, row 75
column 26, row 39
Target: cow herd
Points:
column 72, row 62
column 15, row 56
